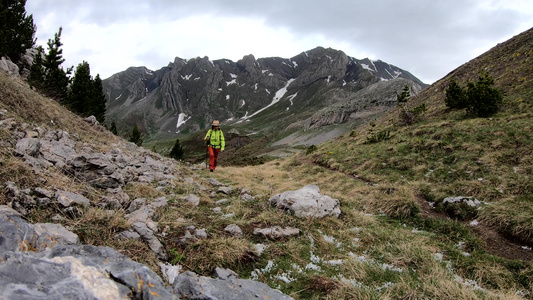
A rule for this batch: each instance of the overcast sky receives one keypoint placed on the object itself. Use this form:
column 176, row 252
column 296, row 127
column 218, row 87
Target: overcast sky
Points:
column 428, row 38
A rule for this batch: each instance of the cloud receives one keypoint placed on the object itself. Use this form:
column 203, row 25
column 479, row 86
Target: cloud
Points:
column 427, row 38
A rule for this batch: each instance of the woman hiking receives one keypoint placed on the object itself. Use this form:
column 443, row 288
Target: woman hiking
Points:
column 215, row 144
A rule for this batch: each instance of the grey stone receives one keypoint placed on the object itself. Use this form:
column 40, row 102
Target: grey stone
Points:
column 78, row 272
column 214, row 182
column 201, row 233
column 57, row 232
column 191, row 286
column 221, row 201
column 307, row 202
column 128, row 234
column 246, row 197
column 221, row 273
column 234, row 230
column 136, row 204
column 470, row 201
column 277, row 232
column 44, row 192
column 67, row 199
column 28, row 146
column 225, row 190
column 159, row 202
column 192, row 199
column 170, row 272
column 147, row 234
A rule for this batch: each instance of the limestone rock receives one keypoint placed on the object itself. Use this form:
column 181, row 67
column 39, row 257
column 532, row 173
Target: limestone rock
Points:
column 192, row 286
column 234, row 230
column 307, row 202
column 192, row 199
column 277, row 232
column 67, row 199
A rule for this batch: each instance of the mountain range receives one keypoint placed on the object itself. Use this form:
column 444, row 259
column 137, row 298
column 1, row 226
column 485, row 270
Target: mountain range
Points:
column 313, row 89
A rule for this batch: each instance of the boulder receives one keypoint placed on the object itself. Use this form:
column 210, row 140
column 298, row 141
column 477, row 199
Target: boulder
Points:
column 191, row 286
column 307, row 202
column 67, row 199
column 192, row 199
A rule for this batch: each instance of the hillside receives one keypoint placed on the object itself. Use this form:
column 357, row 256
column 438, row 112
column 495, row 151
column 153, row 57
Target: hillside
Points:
column 439, row 209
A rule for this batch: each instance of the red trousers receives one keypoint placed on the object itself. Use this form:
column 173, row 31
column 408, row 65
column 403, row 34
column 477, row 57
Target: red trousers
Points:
column 213, row 155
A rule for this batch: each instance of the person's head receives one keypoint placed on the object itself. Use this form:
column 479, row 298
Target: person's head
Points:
column 215, row 125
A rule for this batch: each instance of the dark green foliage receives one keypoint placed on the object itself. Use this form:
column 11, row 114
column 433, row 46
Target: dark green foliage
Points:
column 411, row 116
column 483, row 100
column 37, row 71
column 113, row 128
column 85, row 96
column 455, row 96
column 177, row 151
column 311, row 149
column 98, row 101
column 404, row 95
column 17, row 31
column 79, row 95
column 479, row 98
column 136, row 136
column 54, row 81
column 376, row 137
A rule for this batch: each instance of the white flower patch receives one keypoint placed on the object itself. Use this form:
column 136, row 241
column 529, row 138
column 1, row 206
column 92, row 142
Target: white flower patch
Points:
column 312, row 266
column 285, row 277
column 334, row 262
column 438, row 257
column 386, row 285
column 255, row 273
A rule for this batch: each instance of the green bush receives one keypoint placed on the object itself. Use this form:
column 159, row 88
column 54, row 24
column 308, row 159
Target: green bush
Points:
column 455, row 96
column 479, row 98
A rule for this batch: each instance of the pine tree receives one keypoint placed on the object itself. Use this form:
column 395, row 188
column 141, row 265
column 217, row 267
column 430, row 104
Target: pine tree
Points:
column 56, row 80
column 80, row 92
column 113, row 128
column 455, row 96
column 402, row 98
column 36, row 77
column 483, row 100
column 17, row 31
column 136, row 136
column 177, row 151
column 98, row 100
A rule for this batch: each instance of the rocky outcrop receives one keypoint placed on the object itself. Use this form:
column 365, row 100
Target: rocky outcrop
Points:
column 189, row 94
column 307, row 202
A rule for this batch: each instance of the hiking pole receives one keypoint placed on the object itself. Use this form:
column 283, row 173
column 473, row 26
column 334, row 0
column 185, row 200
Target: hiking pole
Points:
column 207, row 158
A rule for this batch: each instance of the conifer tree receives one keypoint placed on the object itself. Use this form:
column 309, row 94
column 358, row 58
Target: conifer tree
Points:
column 36, row 77
column 17, row 31
column 455, row 96
column 136, row 136
column 177, row 151
column 56, row 80
column 80, row 92
column 98, row 100
column 113, row 128
column 404, row 95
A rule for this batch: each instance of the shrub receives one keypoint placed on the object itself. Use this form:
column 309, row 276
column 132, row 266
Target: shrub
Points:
column 177, row 151
column 483, row 100
column 311, row 149
column 479, row 98
column 455, row 96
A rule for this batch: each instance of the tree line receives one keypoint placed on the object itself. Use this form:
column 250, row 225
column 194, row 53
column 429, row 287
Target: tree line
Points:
column 81, row 93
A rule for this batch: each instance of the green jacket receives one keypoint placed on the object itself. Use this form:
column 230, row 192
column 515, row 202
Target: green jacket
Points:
column 216, row 139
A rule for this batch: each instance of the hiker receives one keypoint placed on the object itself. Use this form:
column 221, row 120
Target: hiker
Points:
column 215, row 144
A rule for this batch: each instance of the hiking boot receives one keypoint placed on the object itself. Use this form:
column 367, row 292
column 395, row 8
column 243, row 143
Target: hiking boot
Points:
column 211, row 170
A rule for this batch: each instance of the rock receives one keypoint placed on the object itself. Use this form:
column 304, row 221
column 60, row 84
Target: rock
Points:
column 277, row 232
column 192, row 199
column 128, row 234
column 159, row 202
column 136, row 204
column 221, row 201
column 217, row 210
column 78, row 272
column 170, row 272
column 246, row 197
column 259, row 249
column 28, row 146
column 9, row 67
column 57, row 233
column 307, row 202
column 200, row 233
column 221, row 273
column 470, row 201
column 67, row 199
column 92, row 120
column 234, row 230
column 191, row 286
column 147, row 234
column 214, row 182
column 225, row 190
